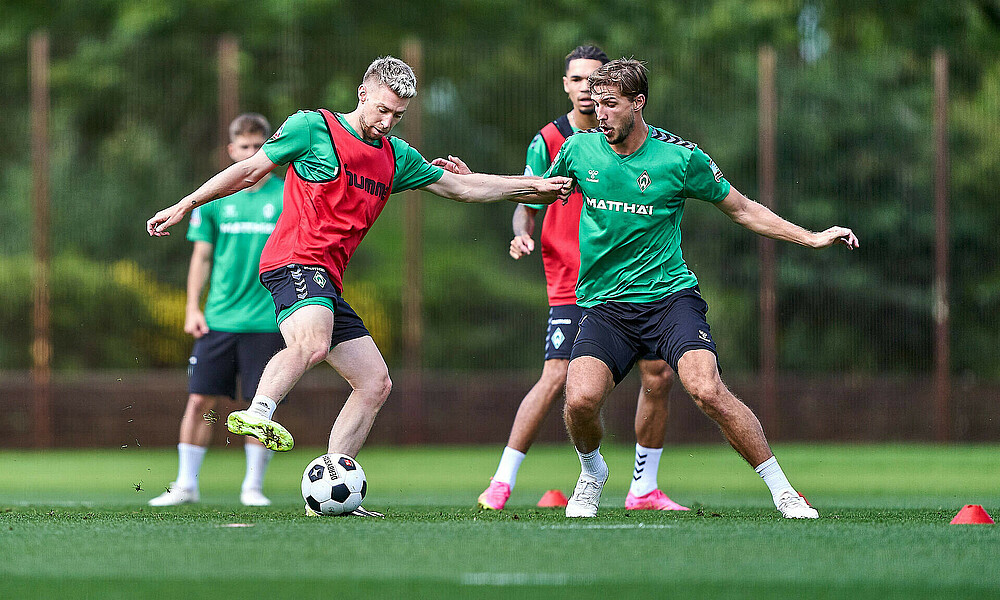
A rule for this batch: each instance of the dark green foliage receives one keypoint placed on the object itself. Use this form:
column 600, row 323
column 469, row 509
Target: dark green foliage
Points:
column 134, row 128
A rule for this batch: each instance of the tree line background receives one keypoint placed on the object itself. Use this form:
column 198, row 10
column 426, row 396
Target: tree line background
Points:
column 134, row 128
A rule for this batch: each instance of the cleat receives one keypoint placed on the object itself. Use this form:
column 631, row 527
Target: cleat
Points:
column 586, row 497
column 655, row 500
column 794, row 506
column 495, row 496
column 174, row 496
column 254, row 497
column 270, row 433
column 360, row 511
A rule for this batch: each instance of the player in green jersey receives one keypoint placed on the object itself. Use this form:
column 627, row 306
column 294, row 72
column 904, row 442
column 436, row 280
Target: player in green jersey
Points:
column 637, row 292
column 560, row 251
column 235, row 336
column 308, row 324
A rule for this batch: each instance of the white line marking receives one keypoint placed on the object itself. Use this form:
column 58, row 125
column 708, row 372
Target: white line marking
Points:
column 597, row 526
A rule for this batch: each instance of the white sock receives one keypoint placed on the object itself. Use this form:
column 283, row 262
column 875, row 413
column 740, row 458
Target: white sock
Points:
column 593, row 465
column 510, row 462
column 262, row 406
column 189, row 459
column 647, row 463
column 257, row 459
column 774, row 477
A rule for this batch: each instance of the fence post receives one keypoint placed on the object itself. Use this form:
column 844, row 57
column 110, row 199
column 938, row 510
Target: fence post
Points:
column 942, row 318
column 41, row 346
column 766, row 169
column 228, row 61
column 413, row 329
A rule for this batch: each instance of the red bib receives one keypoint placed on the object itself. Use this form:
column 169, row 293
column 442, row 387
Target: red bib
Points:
column 323, row 222
column 561, row 228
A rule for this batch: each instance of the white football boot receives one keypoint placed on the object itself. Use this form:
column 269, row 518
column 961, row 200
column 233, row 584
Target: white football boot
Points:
column 174, row 496
column 586, row 497
column 793, row 506
column 254, row 497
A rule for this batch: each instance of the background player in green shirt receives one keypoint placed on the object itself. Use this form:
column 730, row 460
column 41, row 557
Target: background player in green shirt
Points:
column 306, row 301
column 235, row 336
column 637, row 292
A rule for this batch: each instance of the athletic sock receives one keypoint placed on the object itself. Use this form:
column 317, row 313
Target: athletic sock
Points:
column 262, row 406
column 510, row 462
column 774, row 477
column 593, row 465
column 257, row 459
column 647, row 463
column 189, row 459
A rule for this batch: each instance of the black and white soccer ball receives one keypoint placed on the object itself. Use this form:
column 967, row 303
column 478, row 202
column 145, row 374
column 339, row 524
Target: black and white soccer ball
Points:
column 333, row 484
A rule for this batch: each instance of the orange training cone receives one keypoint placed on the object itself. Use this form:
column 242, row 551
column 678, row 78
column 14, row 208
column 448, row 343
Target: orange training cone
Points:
column 552, row 499
column 971, row 514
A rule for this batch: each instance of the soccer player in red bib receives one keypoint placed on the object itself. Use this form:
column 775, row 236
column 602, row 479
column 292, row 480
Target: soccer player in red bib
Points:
column 342, row 169
column 561, row 259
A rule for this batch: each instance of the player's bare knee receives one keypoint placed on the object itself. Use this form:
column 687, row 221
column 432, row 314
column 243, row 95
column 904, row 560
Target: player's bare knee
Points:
column 200, row 403
column 581, row 406
column 384, row 387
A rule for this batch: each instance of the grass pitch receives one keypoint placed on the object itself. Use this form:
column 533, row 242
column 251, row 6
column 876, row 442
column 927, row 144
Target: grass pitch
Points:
column 73, row 525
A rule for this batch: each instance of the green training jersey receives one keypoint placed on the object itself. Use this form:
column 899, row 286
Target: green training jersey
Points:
column 237, row 226
column 304, row 140
column 537, row 160
column 630, row 228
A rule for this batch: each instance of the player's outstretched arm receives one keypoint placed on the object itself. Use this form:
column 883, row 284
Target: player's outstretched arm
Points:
column 481, row 187
column 758, row 218
column 230, row 180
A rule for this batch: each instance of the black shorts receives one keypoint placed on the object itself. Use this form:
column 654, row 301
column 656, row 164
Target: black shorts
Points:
column 564, row 321
column 220, row 357
column 617, row 333
column 293, row 286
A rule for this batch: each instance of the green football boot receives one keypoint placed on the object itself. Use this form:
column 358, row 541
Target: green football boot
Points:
column 270, row 433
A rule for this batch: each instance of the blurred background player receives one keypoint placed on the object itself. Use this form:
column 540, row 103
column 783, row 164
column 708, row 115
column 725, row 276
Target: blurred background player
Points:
column 561, row 259
column 236, row 335
column 638, row 294
column 343, row 169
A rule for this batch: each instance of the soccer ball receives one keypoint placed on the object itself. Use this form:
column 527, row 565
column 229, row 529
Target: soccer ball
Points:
column 333, row 484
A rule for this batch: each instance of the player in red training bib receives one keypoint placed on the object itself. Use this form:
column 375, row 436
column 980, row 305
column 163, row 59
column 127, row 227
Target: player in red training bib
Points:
column 342, row 169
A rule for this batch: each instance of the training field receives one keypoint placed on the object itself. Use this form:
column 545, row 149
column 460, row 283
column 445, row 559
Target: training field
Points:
column 72, row 525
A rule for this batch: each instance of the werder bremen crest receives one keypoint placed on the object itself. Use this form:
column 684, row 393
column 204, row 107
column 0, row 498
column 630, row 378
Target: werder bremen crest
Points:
column 319, row 279
column 643, row 181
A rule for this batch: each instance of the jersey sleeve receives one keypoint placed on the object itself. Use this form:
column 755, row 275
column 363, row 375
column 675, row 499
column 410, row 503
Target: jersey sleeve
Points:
column 560, row 166
column 704, row 180
column 412, row 170
column 537, row 162
column 202, row 227
column 291, row 141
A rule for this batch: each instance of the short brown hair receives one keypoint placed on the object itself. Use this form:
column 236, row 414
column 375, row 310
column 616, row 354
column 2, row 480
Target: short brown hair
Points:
column 626, row 74
column 249, row 124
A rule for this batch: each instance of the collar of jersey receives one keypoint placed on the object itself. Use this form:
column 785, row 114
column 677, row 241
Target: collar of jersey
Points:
column 347, row 126
column 649, row 134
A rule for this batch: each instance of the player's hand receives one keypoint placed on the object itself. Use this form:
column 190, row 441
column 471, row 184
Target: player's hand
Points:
column 165, row 218
column 195, row 324
column 566, row 189
column 452, row 163
column 560, row 187
column 521, row 245
column 835, row 235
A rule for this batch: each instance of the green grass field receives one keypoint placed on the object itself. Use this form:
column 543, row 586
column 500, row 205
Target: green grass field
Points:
column 72, row 525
